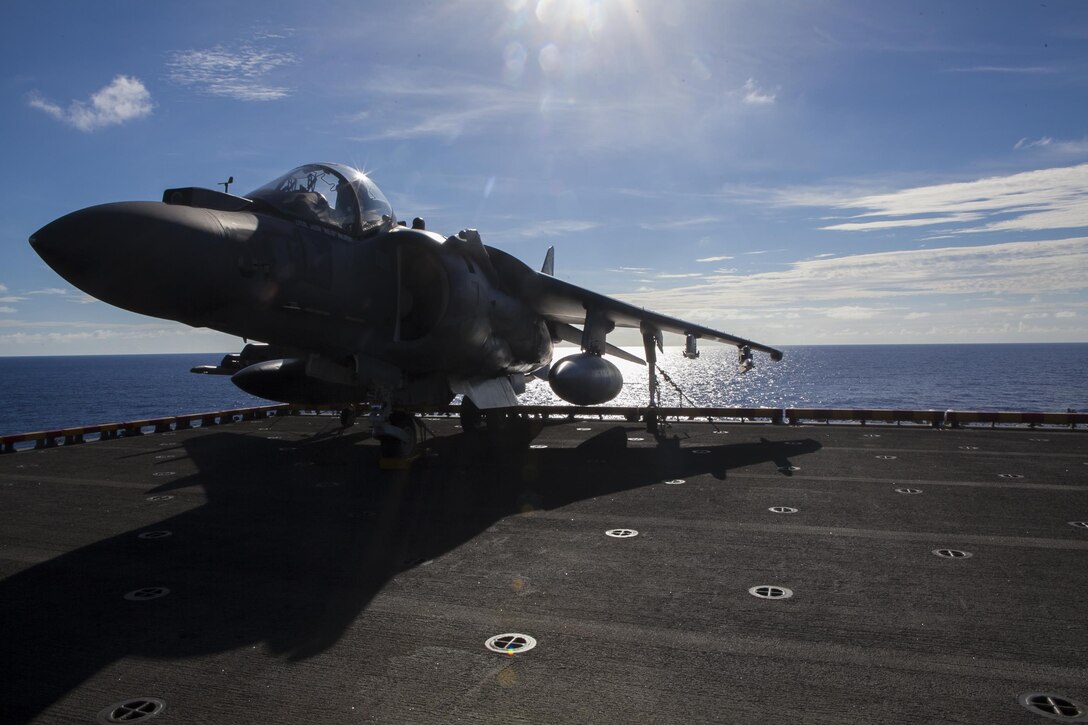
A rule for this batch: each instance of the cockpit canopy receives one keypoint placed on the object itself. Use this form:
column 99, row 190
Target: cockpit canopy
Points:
column 333, row 195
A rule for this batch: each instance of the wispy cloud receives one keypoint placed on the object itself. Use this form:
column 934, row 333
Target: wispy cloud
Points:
column 720, row 258
column 1026, row 143
column 1006, row 69
column 83, row 336
column 405, row 104
column 547, row 228
column 900, row 223
column 62, row 292
column 84, row 325
column 755, row 95
column 7, row 310
column 449, row 108
column 851, row 312
column 1058, row 266
column 240, row 72
column 111, row 334
column 677, row 223
column 124, row 99
column 1053, row 146
column 1046, row 199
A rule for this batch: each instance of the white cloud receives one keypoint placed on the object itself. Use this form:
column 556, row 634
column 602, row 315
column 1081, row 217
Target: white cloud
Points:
column 1024, row 143
column 124, row 99
column 1053, row 146
column 446, row 105
column 754, row 95
column 1059, row 266
column 131, row 326
column 851, row 312
column 21, row 337
column 547, row 227
column 447, row 108
column 233, row 72
column 674, row 223
column 900, row 223
column 12, row 298
column 1030, row 69
column 720, row 258
column 1055, row 198
column 405, row 104
column 49, row 291
column 7, row 310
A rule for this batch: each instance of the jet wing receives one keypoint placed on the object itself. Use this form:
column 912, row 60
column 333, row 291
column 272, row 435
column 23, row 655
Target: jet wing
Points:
column 565, row 302
column 560, row 301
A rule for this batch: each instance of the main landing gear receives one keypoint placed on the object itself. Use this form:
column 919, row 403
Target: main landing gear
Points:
column 494, row 422
column 471, row 417
column 348, row 416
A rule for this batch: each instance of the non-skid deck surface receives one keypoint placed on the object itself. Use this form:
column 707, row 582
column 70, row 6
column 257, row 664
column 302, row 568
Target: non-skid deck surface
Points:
column 307, row 585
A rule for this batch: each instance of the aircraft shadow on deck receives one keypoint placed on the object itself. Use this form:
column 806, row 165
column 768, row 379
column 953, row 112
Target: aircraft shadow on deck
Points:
column 294, row 541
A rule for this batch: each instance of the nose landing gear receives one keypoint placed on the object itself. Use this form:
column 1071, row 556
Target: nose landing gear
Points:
column 396, row 433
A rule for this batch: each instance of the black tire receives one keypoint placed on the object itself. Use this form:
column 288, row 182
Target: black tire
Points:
column 471, row 417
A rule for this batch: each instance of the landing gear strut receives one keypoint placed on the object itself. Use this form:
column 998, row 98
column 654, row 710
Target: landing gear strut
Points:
column 348, row 416
column 395, row 431
column 651, row 340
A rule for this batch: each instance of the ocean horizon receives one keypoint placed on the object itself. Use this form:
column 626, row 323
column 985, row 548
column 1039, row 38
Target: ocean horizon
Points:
column 50, row 392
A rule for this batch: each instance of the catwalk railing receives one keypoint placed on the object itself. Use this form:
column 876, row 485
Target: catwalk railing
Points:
column 779, row 416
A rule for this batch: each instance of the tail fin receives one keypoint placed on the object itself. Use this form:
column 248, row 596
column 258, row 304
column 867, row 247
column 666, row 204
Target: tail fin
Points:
column 549, row 263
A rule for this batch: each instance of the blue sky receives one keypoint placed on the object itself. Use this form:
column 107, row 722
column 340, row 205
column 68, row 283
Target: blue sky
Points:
column 795, row 172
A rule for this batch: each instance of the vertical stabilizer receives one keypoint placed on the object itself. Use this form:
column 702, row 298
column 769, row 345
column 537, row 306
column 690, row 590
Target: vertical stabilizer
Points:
column 549, row 263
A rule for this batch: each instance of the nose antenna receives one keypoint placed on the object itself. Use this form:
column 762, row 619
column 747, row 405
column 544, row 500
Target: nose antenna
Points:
column 226, row 184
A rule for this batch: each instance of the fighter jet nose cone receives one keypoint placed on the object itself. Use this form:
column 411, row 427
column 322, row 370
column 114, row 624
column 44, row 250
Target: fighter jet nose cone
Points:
column 57, row 243
column 142, row 256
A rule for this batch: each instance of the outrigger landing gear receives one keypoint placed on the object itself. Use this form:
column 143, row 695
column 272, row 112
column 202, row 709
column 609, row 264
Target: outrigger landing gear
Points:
column 395, row 431
column 651, row 342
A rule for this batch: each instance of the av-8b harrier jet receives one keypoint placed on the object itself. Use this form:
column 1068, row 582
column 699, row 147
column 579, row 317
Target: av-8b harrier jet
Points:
column 353, row 307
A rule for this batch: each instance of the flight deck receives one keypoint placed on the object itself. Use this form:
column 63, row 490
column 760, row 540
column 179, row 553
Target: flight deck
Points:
column 575, row 569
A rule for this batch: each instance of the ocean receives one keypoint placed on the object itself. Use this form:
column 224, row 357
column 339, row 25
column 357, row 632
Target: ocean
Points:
column 41, row 393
